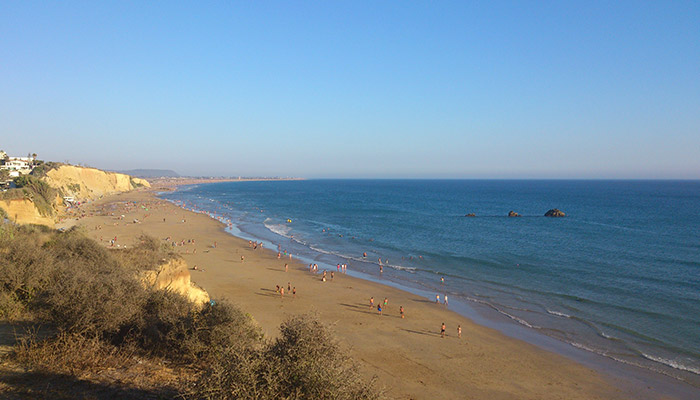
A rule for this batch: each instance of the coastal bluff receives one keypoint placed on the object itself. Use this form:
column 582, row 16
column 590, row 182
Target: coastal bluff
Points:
column 23, row 211
column 80, row 183
column 90, row 183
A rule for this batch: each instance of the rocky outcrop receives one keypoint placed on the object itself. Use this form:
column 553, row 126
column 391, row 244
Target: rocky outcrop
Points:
column 555, row 212
column 23, row 211
column 513, row 214
column 470, row 215
column 174, row 275
column 90, row 183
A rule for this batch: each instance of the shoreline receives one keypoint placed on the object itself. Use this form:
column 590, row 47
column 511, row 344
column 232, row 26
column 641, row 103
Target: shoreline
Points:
column 488, row 364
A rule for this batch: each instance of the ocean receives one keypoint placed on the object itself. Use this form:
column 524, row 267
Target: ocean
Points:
column 619, row 276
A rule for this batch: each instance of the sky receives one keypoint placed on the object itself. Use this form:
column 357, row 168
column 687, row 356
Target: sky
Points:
column 376, row 89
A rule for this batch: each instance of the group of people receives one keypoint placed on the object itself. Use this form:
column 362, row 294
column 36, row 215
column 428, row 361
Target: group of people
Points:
column 255, row 245
column 437, row 299
column 290, row 289
column 443, row 328
column 383, row 306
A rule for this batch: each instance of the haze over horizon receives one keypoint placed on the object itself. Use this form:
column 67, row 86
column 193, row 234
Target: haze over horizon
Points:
column 356, row 89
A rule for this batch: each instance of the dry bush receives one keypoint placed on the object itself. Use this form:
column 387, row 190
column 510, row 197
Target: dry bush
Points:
column 66, row 353
column 11, row 308
column 25, row 268
column 88, row 290
column 217, row 327
column 305, row 362
column 80, row 300
column 171, row 326
column 147, row 254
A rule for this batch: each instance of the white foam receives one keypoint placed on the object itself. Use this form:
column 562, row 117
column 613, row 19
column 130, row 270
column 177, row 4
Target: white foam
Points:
column 672, row 363
column 516, row 319
column 279, row 229
column 559, row 314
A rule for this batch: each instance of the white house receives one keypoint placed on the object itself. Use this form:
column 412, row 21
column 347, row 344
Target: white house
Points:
column 17, row 165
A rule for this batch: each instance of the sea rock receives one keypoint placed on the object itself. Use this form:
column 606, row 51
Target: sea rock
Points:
column 513, row 214
column 470, row 215
column 555, row 212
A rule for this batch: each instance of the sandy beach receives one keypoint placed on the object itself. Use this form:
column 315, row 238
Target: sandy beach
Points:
column 408, row 356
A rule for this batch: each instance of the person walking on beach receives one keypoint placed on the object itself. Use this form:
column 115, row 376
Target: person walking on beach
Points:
column 371, row 303
column 282, row 292
column 386, row 302
column 459, row 331
column 379, row 309
column 401, row 311
column 442, row 331
column 445, row 300
column 294, row 292
column 437, row 299
column 286, row 267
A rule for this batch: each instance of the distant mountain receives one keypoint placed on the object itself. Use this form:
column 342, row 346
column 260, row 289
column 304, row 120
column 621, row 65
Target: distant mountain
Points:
column 152, row 173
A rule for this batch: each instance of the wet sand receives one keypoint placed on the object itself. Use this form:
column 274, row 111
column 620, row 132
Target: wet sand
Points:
column 409, row 356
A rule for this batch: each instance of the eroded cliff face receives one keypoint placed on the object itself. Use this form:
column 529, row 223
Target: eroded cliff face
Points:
column 175, row 275
column 23, row 211
column 90, row 183
column 78, row 182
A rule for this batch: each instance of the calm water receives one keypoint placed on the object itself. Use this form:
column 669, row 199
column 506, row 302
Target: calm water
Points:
column 619, row 276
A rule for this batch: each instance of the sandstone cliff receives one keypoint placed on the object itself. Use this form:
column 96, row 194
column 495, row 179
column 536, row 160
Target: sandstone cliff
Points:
column 79, row 182
column 175, row 275
column 23, row 211
column 90, row 183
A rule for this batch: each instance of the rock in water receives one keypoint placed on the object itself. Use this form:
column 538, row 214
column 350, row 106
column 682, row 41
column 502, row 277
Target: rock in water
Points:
column 555, row 212
column 470, row 215
column 513, row 214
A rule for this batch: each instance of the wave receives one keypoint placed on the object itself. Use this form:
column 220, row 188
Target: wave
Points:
column 497, row 309
column 672, row 364
column 558, row 314
column 517, row 319
column 607, row 336
column 361, row 259
column 280, row 229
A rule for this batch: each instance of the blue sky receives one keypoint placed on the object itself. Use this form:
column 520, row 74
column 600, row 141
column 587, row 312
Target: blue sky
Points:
column 356, row 89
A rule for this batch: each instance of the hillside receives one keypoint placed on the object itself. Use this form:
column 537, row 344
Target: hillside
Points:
column 90, row 183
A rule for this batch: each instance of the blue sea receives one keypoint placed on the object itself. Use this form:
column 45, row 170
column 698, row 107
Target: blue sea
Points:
column 619, row 276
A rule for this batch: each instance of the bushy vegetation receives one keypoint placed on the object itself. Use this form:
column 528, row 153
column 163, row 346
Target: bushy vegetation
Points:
column 42, row 168
column 38, row 191
column 305, row 362
column 90, row 312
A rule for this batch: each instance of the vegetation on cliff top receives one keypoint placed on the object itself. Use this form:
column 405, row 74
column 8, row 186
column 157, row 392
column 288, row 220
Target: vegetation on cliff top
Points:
column 32, row 188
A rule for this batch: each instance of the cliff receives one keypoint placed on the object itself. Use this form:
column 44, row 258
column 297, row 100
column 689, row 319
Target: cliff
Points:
column 90, row 183
column 23, row 211
column 42, row 202
column 175, row 275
